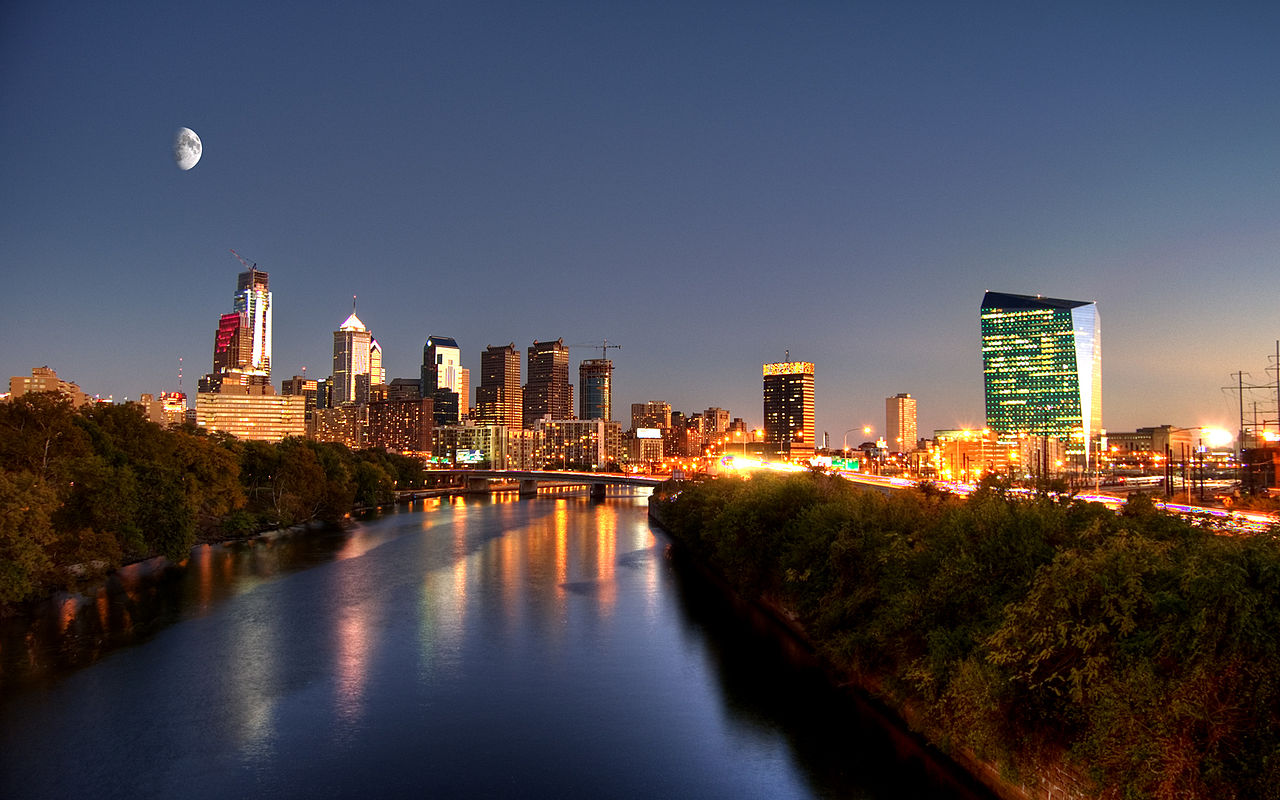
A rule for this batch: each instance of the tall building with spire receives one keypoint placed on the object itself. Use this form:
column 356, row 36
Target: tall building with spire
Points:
column 499, row 398
column 1042, row 367
column 353, row 347
column 548, row 391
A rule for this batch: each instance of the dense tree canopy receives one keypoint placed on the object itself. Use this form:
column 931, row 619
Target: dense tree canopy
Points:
column 1141, row 646
column 82, row 492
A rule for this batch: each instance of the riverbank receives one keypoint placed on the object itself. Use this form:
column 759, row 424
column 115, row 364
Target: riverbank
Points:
column 1052, row 647
column 909, row 744
column 903, row 719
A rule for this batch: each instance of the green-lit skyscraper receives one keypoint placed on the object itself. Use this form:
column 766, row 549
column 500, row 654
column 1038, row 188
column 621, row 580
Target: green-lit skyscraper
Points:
column 1042, row 367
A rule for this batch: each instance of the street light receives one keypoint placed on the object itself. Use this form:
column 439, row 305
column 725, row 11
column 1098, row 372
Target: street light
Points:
column 846, row 439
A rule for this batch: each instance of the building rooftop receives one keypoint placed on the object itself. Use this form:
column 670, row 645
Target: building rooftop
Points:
column 1003, row 300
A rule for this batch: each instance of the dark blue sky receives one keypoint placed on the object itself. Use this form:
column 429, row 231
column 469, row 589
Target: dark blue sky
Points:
column 706, row 184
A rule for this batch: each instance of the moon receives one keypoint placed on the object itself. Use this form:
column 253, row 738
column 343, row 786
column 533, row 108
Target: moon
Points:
column 186, row 148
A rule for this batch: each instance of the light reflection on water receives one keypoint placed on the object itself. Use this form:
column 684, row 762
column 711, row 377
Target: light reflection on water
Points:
column 534, row 647
column 252, row 698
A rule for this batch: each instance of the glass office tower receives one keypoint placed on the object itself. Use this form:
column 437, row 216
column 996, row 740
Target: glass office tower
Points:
column 1042, row 367
column 595, row 389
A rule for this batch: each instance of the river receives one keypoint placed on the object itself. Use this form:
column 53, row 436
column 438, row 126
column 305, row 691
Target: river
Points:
column 492, row 647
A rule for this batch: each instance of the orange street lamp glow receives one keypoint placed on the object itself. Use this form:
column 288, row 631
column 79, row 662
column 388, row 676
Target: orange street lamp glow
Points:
column 1217, row 437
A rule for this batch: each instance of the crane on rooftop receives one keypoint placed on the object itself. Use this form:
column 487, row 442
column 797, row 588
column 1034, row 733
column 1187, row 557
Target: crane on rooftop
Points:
column 247, row 265
column 604, row 346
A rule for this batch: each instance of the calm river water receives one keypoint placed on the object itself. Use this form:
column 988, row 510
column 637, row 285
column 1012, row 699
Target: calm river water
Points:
column 544, row 647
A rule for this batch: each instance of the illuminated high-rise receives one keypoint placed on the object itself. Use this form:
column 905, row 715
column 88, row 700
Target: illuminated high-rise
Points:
column 499, row 396
column 595, row 389
column 377, row 375
column 442, row 378
column 242, row 342
column 715, row 420
column 253, row 303
column 900, row 423
column 653, row 414
column 548, row 391
column 1042, row 367
column 788, row 408
column 352, row 347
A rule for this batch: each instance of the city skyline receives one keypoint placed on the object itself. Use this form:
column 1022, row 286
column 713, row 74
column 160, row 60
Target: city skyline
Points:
column 707, row 187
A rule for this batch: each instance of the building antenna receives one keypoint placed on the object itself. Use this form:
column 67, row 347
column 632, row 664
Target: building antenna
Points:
column 787, row 357
column 179, row 373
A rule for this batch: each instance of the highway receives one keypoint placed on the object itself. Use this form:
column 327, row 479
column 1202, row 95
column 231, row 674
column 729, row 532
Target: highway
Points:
column 1225, row 518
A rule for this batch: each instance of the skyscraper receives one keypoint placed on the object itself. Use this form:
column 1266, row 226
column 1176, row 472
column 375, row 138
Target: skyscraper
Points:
column 442, row 378
column 232, row 344
column 900, row 423
column 499, row 396
column 1042, row 367
column 548, row 390
column 595, row 388
column 242, row 342
column 352, row 347
column 377, row 375
column 253, row 303
column 788, row 408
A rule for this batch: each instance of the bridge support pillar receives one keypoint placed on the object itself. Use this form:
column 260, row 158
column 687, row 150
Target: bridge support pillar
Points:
column 477, row 485
column 528, row 488
column 597, row 491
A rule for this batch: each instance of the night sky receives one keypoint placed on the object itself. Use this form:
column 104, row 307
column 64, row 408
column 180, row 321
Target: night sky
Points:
column 706, row 184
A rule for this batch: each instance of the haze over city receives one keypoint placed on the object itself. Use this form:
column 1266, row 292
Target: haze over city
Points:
column 707, row 185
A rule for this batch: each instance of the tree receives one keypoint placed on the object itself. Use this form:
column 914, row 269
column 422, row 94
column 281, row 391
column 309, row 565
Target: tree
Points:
column 298, row 487
column 38, row 431
column 26, row 536
column 210, row 477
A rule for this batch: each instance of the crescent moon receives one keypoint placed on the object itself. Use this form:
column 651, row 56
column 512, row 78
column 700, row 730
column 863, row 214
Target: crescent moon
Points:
column 186, row 148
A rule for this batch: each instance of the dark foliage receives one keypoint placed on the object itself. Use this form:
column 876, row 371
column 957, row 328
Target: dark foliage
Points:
column 82, row 492
column 1141, row 647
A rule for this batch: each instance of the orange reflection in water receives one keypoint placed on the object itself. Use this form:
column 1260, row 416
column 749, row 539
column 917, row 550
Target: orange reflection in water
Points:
column 202, row 565
column 352, row 657
column 607, row 557
column 561, row 521
column 104, row 609
column 67, row 613
column 459, row 565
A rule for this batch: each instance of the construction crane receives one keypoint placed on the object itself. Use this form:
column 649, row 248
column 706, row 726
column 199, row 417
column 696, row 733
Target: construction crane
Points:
column 247, row 265
column 604, row 346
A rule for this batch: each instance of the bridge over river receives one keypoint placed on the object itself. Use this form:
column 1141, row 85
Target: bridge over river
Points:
column 481, row 480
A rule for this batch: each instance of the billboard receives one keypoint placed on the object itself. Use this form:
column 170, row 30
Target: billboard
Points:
column 470, row 456
column 648, row 433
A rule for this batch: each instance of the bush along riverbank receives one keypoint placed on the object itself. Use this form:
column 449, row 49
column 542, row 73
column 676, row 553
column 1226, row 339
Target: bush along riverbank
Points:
column 84, row 491
column 1054, row 647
